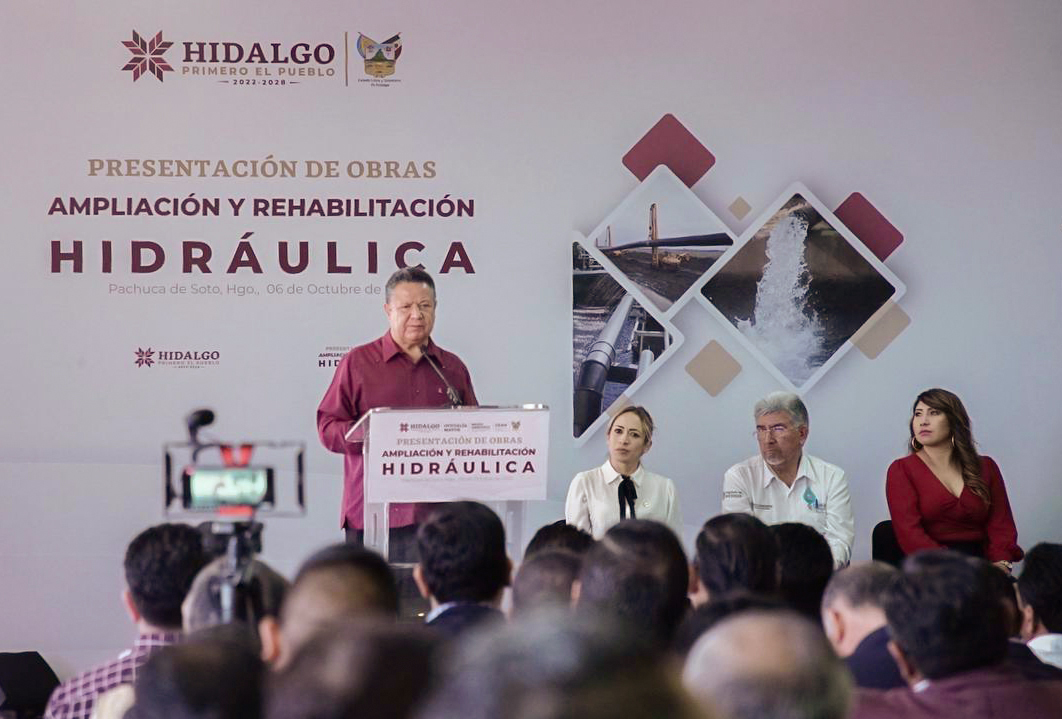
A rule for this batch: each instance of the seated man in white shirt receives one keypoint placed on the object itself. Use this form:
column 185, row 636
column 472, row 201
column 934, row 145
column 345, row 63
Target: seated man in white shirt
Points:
column 1040, row 592
column 783, row 484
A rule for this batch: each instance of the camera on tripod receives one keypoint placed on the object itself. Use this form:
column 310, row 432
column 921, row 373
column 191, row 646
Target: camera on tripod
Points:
column 217, row 481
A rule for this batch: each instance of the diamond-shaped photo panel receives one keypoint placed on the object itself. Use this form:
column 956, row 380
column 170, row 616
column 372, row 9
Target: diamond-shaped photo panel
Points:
column 797, row 287
column 617, row 343
column 662, row 238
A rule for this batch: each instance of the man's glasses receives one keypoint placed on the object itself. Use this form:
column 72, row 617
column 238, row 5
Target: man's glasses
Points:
column 775, row 429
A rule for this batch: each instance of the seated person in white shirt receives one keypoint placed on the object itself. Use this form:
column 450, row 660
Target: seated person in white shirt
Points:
column 782, row 484
column 622, row 488
column 1040, row 592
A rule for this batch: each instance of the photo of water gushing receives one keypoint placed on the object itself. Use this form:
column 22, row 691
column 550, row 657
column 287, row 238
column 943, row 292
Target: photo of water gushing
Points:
column 614, row 339
column 798, row 290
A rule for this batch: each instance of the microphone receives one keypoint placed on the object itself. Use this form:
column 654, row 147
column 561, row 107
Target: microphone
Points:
column 451, row 393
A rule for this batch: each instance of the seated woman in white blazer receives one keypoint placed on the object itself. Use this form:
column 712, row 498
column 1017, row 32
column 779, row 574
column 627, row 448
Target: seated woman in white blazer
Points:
column 622, row 488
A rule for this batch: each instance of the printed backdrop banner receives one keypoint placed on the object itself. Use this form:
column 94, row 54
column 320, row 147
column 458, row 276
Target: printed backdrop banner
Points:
column 203, row 202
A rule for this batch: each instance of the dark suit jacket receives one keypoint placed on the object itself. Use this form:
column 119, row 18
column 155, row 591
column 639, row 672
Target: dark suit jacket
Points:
column 460, row 618
column 998, row 692
column 871, row 664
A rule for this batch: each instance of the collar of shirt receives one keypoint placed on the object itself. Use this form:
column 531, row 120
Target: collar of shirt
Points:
column 803, row 472
column 444, row 607
column 390, row 349
column 1046, row 644
column 156, row 639
column 612, row 476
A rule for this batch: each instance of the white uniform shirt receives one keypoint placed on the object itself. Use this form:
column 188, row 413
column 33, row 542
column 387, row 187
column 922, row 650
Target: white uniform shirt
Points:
column 1047, row 648
column 819, row 498
column 593, row 499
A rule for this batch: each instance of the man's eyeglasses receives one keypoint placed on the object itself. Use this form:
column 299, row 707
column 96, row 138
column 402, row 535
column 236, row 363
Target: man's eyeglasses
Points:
column 775, row 429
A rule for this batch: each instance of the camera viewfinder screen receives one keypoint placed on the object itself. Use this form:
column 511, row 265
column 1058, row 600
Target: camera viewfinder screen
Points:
column 209, row 488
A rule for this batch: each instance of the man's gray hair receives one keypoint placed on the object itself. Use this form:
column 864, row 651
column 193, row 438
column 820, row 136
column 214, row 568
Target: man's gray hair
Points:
column 862, row 584
column 768, row 665
column 786, row 402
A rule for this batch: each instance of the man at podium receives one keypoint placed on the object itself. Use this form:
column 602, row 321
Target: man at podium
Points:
column 404, row 368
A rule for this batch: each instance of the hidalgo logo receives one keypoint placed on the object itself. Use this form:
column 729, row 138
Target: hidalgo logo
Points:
column 147, row 56
column 179, row 358
column 145, row 358
column 380, row 57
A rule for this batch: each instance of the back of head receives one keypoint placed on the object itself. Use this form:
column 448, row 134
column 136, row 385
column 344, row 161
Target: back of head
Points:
column 160, row 564
column 706, row 616
column 558, row 666
column 736, row 552
column 213, row 675
column 944, row 614
column 1006, row 593
column 462, row 553
column 259, row 593
column 340, row 582
column 862, row 584
column 805, row 565
column 768, row 665
column 355, row 670
column 559, row 535
column 1040, row 584
column 638, row 573
column 545, row 579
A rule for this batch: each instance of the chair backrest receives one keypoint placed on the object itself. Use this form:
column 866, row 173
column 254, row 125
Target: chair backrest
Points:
column 26, row 682
column 883, row 544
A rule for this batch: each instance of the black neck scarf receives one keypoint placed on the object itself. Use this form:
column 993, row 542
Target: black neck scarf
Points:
column 627, row 495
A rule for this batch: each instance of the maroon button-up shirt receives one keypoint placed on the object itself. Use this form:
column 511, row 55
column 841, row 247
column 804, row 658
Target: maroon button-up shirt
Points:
column 380, row 374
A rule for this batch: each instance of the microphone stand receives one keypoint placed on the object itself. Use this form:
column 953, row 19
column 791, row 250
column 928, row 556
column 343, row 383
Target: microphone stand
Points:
column 451, row 393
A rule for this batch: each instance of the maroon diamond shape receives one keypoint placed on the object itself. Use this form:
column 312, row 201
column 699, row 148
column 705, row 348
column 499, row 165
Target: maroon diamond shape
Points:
column 669, row 143
column 869, row 225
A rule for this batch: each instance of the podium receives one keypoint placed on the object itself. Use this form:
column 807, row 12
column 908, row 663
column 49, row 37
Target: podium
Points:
column 494, row 455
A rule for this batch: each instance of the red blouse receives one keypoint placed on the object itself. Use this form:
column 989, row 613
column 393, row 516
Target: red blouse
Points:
column 925, row 515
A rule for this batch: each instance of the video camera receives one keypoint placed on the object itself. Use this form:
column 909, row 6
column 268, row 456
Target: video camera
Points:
column 219, row 480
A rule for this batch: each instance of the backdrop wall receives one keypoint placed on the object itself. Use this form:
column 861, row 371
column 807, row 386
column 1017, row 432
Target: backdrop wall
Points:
column 945, row 116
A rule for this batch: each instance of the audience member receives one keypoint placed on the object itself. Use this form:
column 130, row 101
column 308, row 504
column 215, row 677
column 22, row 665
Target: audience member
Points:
column 258, row 593
column 545, row 579
column 805, row 566
column 463, row 568
column 706, row 616
column 949, row 639
column 160, row 564
column 559, row 535
column 559, row 666
column 215, row 674
column 340, row 582
column 1040, row 592
column 855, row 624
column 783, row 484
column 637, row 572
column 734, row 552
column 768, row 665
column 369, row 669
column 1019, row 655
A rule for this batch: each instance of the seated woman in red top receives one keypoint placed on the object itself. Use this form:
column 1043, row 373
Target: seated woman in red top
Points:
column 943, row 494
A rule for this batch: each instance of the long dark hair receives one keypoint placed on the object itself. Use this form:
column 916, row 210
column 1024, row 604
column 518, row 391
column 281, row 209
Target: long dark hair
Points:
column 964, row 455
